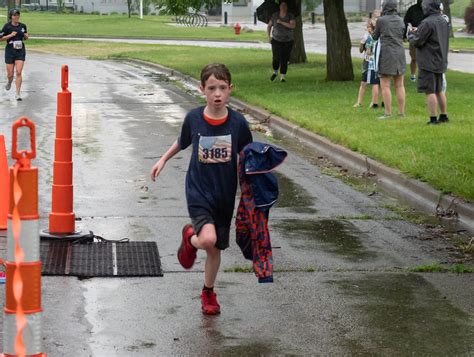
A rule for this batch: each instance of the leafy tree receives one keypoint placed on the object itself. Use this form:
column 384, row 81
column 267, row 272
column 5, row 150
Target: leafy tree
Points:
column 338, row 42
column 146, row 6
column 129, row 8
column 310, row 5
column 181, row 7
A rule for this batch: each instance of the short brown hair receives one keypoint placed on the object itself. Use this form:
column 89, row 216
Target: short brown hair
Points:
column 220, row 71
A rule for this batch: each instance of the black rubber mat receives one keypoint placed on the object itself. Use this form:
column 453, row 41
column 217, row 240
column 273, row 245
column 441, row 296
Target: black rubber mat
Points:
column 100, row 259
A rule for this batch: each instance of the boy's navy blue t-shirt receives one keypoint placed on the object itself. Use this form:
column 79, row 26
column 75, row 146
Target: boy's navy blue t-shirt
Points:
column 211, row 180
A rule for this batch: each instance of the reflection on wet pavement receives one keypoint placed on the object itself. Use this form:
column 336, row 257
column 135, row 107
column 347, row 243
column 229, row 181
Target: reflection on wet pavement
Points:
column 406, row 315
column 333, row 236
column 293, row 196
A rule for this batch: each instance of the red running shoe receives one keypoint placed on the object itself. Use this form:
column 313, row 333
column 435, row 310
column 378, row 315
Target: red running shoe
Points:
column 186, row 252
column 209, row 304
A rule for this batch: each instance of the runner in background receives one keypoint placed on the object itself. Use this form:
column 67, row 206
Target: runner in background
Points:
column 14, row 33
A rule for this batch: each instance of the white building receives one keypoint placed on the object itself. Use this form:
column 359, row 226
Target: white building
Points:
column 87, row 6
column 243, row 10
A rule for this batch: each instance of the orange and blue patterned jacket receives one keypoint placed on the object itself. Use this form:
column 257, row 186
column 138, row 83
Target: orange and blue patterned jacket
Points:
column 259, row 191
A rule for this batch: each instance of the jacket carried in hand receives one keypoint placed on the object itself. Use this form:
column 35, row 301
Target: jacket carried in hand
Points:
column 259, row 191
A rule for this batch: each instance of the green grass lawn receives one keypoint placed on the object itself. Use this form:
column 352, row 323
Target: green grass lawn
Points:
column 47, row 23
column 458, row 7
column 441, row 155
column 153, row 27
column 461, row 43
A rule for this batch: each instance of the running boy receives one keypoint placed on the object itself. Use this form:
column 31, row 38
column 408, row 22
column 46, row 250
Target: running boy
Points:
column 217, row 135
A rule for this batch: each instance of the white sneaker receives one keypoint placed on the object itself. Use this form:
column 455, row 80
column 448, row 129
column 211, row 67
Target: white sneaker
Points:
column 8, row 85
column 18, row 97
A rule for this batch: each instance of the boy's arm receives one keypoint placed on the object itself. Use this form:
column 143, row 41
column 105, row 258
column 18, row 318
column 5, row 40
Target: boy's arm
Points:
column 160, row 164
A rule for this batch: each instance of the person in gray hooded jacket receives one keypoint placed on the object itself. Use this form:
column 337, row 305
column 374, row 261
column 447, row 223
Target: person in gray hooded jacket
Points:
column 431, row 39
column 390, row 29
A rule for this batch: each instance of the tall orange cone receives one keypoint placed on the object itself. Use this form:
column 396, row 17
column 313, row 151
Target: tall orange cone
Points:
column 4, row 184
column 22, row 318
column 62, row 217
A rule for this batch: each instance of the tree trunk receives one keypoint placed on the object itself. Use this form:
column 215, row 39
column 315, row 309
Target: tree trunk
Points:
column 447, row 11
column 10, row 5
column 298, row 54
column 338, row 42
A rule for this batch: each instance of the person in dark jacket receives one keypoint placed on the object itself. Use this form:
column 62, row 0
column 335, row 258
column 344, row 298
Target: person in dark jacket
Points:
column 431, row 40
column 390, row 29
column 413, row 18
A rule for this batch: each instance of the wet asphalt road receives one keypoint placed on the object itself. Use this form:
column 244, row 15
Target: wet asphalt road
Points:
column 340, row 281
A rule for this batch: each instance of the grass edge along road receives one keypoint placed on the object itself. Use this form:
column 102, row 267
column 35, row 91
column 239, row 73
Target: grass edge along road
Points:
column 441, row 155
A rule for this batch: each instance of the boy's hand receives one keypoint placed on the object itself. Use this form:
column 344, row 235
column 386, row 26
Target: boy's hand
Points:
column 156, row 169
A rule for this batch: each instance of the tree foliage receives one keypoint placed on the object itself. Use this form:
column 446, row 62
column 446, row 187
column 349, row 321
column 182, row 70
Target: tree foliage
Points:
column 311, row 5
column 181, row 7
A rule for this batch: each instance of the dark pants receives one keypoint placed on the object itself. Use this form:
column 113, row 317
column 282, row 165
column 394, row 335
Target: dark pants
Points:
column 281, row 55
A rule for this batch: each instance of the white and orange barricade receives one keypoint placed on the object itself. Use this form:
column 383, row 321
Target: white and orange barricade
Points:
column 4, row 184
column 22, row 312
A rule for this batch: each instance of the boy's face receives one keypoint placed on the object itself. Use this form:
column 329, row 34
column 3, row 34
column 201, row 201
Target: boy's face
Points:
column 217, row 92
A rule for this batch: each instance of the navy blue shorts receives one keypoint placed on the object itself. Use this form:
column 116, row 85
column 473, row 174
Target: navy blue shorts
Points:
column 222, row 232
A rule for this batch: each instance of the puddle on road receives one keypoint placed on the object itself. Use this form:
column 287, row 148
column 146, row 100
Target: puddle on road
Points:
column 333, row 236
column 406, row 315
column 260, row 348
column 86, row 130
column 293, row 196
column 157, row 77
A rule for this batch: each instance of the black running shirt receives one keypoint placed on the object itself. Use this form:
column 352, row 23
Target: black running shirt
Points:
column 8, row 28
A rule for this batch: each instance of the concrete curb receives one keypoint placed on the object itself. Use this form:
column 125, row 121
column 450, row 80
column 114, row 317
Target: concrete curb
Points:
column 414, row 192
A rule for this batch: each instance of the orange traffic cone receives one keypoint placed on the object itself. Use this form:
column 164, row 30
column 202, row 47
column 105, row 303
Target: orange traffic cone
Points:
column 62, row 218
column 22, row 312
column 4, row 184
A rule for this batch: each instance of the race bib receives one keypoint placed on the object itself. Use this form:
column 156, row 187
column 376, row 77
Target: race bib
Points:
column 215, row 149
column 17, row 45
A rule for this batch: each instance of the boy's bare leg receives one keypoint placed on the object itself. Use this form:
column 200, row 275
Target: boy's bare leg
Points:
column 213, row 262
column 386, row 94
column 206, row 240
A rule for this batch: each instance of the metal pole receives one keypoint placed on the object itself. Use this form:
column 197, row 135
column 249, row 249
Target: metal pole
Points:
column 225, row 18
column 141, row 9
column 255, row 18
column 313, row 18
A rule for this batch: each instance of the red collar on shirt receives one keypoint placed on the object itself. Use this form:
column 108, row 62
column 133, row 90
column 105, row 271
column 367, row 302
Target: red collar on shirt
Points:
column 215, row 122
